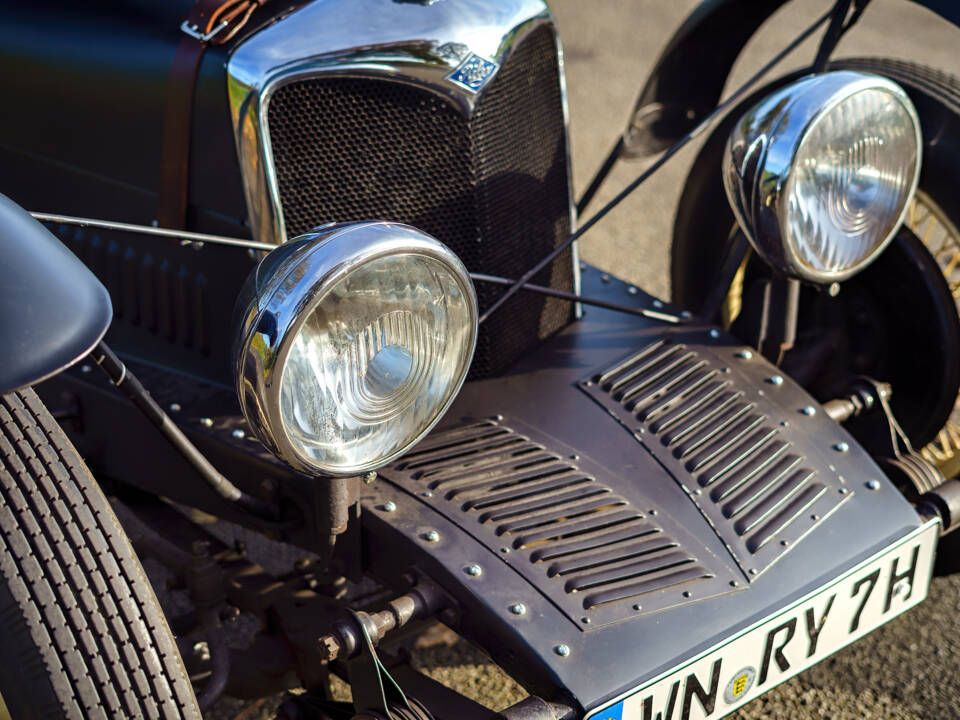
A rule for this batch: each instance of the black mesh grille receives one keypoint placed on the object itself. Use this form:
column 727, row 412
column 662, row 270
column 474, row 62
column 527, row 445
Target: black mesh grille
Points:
column 493, row 187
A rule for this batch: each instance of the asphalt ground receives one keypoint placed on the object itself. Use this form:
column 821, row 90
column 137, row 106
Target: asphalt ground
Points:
column 910, row 669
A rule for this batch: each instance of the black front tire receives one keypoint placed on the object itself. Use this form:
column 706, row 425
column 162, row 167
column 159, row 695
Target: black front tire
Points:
column 81, row 632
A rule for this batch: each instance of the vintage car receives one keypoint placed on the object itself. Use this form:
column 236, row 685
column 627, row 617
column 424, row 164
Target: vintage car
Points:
column 311, row 267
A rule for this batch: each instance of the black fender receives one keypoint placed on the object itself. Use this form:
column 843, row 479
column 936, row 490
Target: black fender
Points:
column 688, row 79
column 53, row 310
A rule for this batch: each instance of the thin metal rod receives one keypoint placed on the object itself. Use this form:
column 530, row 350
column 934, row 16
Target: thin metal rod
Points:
column 130, row 386
column 252, row 245
column 573, row 297
column 832, row 36
column 600, row 176
column 704, row 124
column 183, row 236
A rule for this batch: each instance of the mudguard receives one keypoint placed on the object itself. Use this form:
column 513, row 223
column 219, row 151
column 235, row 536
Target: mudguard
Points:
column 688, row 79
column 53, row 310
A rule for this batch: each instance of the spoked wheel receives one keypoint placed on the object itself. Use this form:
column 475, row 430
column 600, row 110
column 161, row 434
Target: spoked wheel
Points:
column 81, row 632
column 941, row 237
column 898, row 319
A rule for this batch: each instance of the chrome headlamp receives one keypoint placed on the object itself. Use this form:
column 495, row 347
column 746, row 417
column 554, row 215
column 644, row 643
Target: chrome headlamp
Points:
column 354, row 341
column 820, row 173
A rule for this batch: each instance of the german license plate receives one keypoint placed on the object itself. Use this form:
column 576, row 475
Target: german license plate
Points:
column 746, row 665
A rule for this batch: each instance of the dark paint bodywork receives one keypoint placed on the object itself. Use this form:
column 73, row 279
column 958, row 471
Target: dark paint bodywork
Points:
column 53, row 310
column 91, row 160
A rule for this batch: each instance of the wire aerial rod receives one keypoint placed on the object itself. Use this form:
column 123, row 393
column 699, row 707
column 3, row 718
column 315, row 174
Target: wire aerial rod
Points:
column 203, row 238
column 573, row 297
column 181, row 235
column 660, row 162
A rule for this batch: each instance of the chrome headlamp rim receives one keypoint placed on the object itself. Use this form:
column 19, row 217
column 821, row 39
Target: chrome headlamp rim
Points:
column 759, row 156
column 275, row 316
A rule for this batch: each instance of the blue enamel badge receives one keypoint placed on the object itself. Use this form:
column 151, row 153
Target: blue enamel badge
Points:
column 612, row 713
column 473, row 73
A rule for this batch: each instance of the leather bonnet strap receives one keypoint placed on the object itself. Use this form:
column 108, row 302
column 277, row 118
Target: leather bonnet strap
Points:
column 210, row 22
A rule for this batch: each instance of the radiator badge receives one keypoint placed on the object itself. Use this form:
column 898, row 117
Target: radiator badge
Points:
column 473, row 73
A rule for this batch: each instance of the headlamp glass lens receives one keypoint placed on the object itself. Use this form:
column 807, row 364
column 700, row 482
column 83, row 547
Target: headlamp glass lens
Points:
column 850, row 180
column 377, row 359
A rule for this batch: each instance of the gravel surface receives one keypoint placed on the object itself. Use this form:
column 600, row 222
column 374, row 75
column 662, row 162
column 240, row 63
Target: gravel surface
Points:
column 908, row 669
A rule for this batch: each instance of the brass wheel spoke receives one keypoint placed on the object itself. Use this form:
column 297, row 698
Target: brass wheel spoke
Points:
column 944, row 450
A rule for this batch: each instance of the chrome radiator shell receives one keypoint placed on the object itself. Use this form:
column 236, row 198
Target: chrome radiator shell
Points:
column 344, row 81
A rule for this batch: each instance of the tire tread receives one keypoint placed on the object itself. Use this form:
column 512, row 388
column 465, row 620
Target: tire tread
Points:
column 79, row 611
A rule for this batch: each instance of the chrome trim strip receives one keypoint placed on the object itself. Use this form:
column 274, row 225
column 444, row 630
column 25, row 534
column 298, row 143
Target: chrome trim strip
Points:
column 183, row 236
column 575, row 247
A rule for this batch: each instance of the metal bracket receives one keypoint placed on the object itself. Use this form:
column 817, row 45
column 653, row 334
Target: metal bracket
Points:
column 882, row 436
column 373, row 687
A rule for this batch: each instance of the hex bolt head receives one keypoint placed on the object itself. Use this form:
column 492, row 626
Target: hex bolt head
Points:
column 841, row 447
column 369, row 477
column 518, row 609
column 714, row 333
column 776, row 380
column 473, row 570
column 431, row 536
column 873, row 484
column 657, row 304
column 632, row 290
column 238, row 434
column 562, row 650
column 206, row 422
column 744, row 354
column 329, row 647
column 174, row 407
column 389, row 506
column 808, row 410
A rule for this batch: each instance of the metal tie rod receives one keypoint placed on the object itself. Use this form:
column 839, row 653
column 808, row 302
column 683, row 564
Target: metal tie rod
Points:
column 181, row 235
column 660, row 162
column 201, row 238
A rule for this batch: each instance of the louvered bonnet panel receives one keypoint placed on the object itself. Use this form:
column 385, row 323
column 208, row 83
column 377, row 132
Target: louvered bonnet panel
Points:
column 730, row 447
column 597, row 555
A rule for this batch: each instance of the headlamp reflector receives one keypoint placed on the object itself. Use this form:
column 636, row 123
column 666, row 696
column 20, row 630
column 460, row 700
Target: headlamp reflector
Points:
column 820, row 172
column 360, row 339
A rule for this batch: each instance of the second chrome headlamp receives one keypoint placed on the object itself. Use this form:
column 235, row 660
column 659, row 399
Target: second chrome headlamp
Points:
column 819, row 173
column 354, row 341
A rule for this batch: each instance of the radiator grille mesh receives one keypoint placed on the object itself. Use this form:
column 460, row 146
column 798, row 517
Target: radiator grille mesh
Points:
column 492, row 186
column 590, row 549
